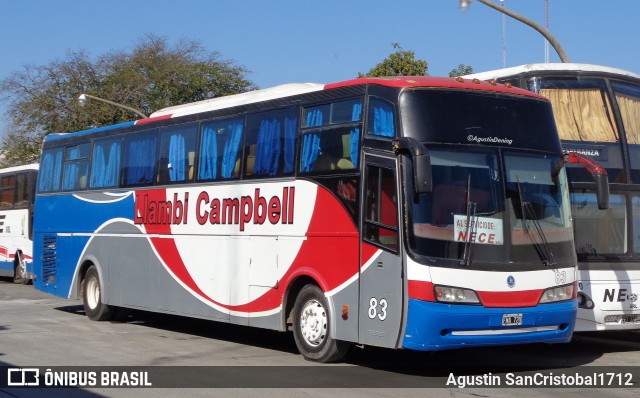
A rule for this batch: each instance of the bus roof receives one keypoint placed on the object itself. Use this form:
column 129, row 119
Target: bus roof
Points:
column 14, row 169
column 550, row 67
column 287, row 90
column 302, row 88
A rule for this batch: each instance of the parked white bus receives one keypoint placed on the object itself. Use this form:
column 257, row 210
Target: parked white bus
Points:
column 597, row 112
column 17, row 188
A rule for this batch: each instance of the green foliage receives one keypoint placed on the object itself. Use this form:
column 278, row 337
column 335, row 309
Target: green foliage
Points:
column 462, row 70
column 400, row 63
column 44, row 99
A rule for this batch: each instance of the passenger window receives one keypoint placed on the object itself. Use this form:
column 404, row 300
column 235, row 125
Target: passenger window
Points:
column 105, row 164
column 177, row 154
column 140, row 159
column 271, row 143
column 7, row 192
column 381, row 120
column 50, row 170
column 75, row 168
column 219, row 148
column 22, row 191
column 331, row 147
column 381, row 208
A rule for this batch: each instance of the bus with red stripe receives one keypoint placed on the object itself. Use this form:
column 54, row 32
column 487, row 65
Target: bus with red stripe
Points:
column 597, row 112
column 411, row 212
column 17, row 193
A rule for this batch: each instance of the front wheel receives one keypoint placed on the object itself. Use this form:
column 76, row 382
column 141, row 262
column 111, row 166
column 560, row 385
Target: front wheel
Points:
column 95, row 309
column 311, row 326
column 20, row 270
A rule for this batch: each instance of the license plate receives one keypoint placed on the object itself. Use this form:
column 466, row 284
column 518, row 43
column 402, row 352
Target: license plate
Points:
column 511, row 319
column 630, row 318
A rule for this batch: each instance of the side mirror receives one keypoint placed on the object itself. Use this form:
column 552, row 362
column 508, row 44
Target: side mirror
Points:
column 422, row 181
column 602, row 190
column 596, row 170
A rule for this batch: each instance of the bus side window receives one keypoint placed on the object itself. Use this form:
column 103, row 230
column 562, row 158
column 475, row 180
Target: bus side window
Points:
column 381, row 119
column 335, row 146
column 330, row 149
column 105, row 163
column 50, row 170
column 22, row 191
column 177, row 153
column 271, row 143
column 381, row 208
column 75, row 168
column 219, row 147
column 140, row 158
column 7, row 192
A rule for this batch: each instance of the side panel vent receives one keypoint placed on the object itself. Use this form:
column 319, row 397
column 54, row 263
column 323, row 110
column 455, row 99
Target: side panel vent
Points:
column 49, row 259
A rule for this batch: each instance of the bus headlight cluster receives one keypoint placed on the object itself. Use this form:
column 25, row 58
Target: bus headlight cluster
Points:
column 560, row 293
column 448, row 294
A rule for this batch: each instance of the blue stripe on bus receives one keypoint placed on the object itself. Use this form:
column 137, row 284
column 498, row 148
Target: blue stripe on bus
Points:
column 429, row 325
column 53, row 137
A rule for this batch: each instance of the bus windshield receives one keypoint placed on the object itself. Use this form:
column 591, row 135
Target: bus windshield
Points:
column 481, row 213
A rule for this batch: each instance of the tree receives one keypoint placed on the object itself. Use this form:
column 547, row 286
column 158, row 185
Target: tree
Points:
column 462, row 70
column 43, row 99
column 400, row 63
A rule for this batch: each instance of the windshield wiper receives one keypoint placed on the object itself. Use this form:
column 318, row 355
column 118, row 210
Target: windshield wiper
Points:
column 542, row 248
column 471, row 208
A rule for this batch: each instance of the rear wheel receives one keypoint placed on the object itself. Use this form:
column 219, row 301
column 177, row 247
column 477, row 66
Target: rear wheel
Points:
column 20, row 270
column 311, row 327
column 95, row 309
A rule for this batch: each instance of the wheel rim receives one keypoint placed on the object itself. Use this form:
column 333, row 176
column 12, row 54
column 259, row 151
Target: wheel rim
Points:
column 22, row 269
column 313, row 323
column 93, row 293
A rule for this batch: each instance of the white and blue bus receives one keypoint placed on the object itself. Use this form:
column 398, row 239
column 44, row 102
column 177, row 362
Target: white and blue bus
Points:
column 17, row 193
column 597, row 112
column 411, row 212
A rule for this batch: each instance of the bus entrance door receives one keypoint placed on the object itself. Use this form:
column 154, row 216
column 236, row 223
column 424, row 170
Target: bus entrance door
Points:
column 381, row 299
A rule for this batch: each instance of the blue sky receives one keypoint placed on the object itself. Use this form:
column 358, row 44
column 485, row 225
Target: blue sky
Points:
column 284, row 41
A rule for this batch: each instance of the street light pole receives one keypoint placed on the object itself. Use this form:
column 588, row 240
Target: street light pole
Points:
column 556, row 45
column 83, row 99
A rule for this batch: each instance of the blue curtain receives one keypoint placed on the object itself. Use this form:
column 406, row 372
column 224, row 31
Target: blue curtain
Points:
column 290, row 125
column 98, row 166
column 71, row 170
column 354, row 135
column 268, row 148
column 311, row 141
column 383, row 124
column 141, row 160
column 207, row 170
column 50, row 171
column 105, row 166
column 231, row 147
column 112, row 171
column 177, row 157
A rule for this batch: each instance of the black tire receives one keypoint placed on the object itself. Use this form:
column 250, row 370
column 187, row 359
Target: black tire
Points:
column 312, row 325
column 20, row 270
column 95, row 309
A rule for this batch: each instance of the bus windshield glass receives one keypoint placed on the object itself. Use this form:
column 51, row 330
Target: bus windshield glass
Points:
column 482, row 118
column 487, row 216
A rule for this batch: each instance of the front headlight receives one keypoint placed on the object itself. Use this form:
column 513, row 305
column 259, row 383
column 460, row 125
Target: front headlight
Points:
column 559, row 293
column 456, row 295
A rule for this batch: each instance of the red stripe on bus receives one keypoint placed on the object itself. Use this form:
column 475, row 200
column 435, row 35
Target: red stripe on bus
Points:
column 326, row 256
column 428, row 81
column 152, row 119
column 421, row 290
column 523, row 298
